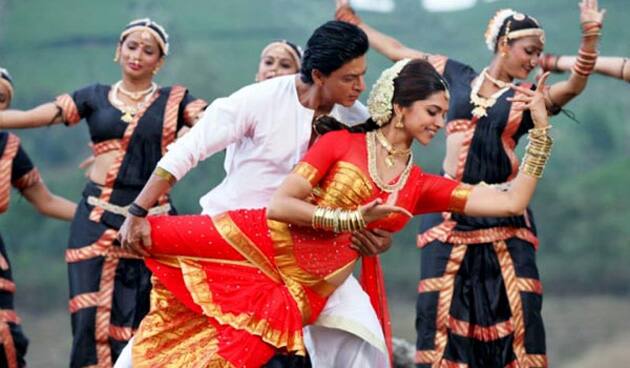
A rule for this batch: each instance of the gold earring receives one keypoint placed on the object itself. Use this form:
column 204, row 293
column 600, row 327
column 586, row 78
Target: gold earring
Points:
column 156, row 70
column 399, row 122
column 117, row 55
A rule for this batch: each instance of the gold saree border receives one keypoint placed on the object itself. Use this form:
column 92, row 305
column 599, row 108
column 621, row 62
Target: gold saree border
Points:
column 197, row 284
column 157, row 344
column 307, row 171
column 233, row 235
column 6, row 162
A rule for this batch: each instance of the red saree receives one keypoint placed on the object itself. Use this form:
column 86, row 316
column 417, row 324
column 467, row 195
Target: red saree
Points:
column 232, row 289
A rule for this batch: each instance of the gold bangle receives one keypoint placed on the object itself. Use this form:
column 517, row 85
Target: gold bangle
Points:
column 621, row 75
column 537, row 152
column 316, row 220
column 337, row 219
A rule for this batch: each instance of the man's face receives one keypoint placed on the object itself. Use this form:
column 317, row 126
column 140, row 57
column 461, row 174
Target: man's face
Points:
column 345, row 85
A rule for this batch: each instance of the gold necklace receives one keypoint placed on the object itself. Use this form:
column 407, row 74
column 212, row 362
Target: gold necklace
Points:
column 391, row 151
column 482, row 104
column 370, row 139
column 497, row 82
column 129, row 111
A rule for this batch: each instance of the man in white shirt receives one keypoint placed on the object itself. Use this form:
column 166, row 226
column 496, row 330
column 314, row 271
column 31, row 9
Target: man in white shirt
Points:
column 266, row 128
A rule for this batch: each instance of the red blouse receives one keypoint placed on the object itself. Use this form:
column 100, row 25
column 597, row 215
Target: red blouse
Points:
column 337, row 168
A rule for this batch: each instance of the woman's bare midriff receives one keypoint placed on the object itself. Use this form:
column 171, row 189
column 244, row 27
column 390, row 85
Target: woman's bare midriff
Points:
column 98, row 171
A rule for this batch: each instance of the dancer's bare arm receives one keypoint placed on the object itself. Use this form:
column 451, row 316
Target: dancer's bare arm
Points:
column 385, row 44
column 562, row 92
column 49, row 204
column 45, row 114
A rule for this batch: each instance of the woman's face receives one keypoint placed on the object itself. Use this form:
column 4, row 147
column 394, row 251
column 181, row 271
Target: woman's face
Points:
column 5, row 97
column 275, row 62
column 424, row 118
column 522, row 56
column 140, row 55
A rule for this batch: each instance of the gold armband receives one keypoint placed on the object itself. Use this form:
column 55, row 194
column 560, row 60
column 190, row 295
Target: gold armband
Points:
column 165, row 175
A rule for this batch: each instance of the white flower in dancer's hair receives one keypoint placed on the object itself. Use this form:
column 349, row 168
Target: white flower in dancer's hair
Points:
column 380, row 100
column 494, row 26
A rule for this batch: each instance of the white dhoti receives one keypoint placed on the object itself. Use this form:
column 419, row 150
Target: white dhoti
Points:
column 124, row 359
column 347, row 332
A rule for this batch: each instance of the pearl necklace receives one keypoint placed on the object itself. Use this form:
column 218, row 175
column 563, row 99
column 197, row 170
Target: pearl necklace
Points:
column 370, row 138
column 482, row 104
column 128, row 110
column 139, row 94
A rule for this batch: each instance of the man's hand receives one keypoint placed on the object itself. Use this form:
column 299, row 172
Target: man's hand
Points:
column 135, row 235
column 371, row 242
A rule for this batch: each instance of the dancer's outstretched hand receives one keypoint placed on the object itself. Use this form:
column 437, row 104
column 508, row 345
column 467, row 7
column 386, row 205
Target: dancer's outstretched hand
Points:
column 590, row 12
column 135, row 235
column 345, row 13
column 534, row 101
column 377, row 210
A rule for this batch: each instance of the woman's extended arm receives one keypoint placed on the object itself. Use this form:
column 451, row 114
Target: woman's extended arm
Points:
column 386, row 45
column 49, row 204
column 611, row 66
column 45, row 114
column 289, row 204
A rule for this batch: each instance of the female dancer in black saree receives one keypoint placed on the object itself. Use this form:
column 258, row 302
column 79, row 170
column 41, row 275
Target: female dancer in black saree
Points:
column 480, row 298
column 131, row 123
column 17, row 170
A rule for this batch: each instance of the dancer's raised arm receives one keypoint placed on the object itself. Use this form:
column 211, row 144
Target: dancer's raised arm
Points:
column 385, row 44
column 560, row 93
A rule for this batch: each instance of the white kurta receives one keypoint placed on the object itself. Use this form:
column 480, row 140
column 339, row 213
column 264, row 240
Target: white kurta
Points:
column 266, row 131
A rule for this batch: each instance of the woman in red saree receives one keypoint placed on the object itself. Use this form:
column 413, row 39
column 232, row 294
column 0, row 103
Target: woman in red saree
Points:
column 233, row 289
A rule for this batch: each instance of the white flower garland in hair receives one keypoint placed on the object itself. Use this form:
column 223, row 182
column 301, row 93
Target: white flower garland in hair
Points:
column 380, row 100
column 494, row 26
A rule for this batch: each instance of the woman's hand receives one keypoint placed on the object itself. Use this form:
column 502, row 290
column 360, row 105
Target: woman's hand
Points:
column 377, row 210
column 345, row 13
column 534, row 101
column 590, row 13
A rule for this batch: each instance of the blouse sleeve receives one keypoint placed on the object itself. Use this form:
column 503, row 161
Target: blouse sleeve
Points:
column 456, row 72
column 190, row 109
column 439, row 194
column 76, row 105
column 324, row 153
column 23, row 173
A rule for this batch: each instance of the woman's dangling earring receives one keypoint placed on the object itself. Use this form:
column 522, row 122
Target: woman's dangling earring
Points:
column 505, row 45
column 117, row 55
column 156, row 70
column 399, row 122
